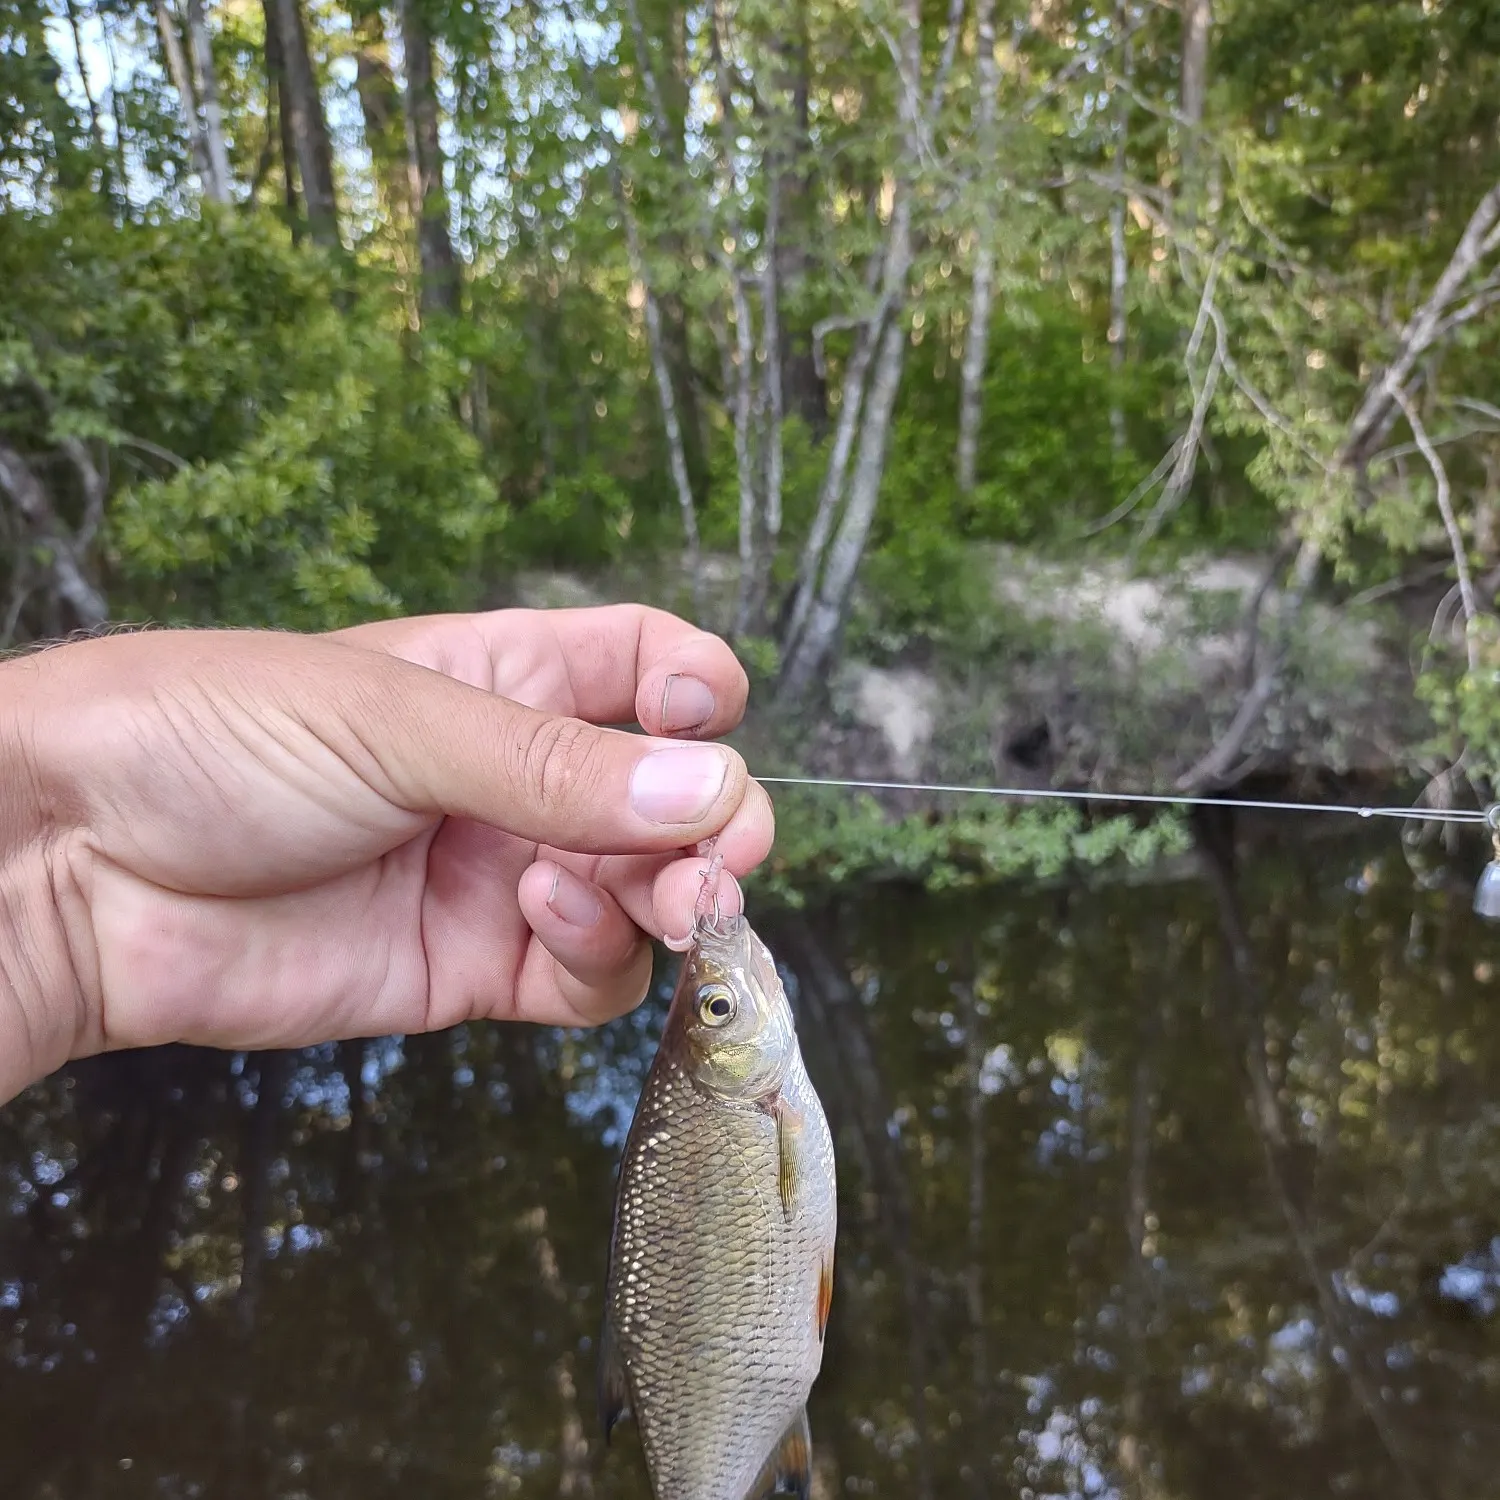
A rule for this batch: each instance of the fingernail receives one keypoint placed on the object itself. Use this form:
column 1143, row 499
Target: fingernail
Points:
column 678, row 784
column 572, row 901
column 686, row 703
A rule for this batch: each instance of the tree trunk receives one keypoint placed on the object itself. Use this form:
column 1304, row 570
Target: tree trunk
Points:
column 835, row 472
column 808, row 652
column 380, row 111
column 302, row 108
column 816, row 645
column 116, row 109
column 666, row 396
column 1197, row 17
column 809, row 646
column 821, row 635
column 276, row 92
column 981, row 299
column 429, row 194
column 775, row 400
column 182, row 81
column 1119, row 265
column 744, row 371
column 668, row 98
column 215, row 149
column 660, row 369
column 976, row 352
column 804, row 395
column 96, row 130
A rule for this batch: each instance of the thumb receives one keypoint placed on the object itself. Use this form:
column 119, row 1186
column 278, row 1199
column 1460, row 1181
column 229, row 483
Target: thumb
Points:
column 432, row 744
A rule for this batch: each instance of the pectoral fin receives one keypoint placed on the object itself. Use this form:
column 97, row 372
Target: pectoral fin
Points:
column 614, row 1395
column 789, row 1146
column 789, row 1468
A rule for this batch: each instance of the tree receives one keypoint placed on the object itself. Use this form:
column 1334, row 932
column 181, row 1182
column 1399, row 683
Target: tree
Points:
column 302, row 109
column 428, row 192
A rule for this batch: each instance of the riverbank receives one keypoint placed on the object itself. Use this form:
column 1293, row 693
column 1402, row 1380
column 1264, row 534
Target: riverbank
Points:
column 1080, row 675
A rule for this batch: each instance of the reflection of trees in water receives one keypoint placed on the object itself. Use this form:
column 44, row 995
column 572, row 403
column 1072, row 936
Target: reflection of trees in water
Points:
column 1157, row 1191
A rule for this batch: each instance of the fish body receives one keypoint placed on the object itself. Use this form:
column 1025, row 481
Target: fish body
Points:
column 721, row 1260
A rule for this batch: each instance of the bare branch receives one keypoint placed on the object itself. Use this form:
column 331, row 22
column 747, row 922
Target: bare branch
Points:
column 182, row 81
column 1186, row 462
column 1422, row 330
column 1187, row 453
column 945, row 62
column 823, row 327
column 1450, row 525
column 1472, row 403
column 1138, row 494
column 1212, row 768
column 30, row 498
column 214, row 148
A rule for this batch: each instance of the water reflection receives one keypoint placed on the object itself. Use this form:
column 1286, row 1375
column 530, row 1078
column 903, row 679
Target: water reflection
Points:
column 1180, row 1188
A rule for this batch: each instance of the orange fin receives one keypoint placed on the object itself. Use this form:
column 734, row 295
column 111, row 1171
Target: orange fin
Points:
column 614, row 1394
column 825, row 1296
column 789, row 1468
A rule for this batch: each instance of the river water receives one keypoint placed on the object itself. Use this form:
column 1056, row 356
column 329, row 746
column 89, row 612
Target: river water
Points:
column 1187, row 1186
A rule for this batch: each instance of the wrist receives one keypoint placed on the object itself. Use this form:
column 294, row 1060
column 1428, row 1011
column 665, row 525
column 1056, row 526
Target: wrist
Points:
column 41, row 1006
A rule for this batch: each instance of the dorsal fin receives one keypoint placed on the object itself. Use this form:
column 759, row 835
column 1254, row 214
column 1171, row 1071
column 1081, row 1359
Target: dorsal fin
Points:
column 789, row 1468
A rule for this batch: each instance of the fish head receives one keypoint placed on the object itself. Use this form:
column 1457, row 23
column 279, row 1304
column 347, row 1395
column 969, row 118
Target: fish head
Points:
column 736, row 1022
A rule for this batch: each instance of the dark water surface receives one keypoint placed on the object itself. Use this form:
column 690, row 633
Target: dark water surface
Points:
column 1180, row 1188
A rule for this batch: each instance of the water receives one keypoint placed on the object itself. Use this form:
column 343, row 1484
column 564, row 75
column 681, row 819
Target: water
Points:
column 1179, row 1188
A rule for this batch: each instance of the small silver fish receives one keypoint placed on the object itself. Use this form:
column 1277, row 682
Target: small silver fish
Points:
column 721, row 1261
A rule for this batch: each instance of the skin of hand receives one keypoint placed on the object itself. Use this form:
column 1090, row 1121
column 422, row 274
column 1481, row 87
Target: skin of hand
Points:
column 250, row 839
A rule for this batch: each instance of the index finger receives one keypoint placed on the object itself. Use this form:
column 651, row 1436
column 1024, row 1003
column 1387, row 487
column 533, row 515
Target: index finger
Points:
column 631, row 662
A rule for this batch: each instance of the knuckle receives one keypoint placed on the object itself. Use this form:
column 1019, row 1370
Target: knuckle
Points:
column 561, row 763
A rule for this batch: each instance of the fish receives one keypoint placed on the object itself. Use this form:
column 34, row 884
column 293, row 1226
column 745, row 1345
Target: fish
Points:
column 720, row 1273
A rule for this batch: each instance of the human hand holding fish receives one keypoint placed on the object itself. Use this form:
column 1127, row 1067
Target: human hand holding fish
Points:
column 255, row 839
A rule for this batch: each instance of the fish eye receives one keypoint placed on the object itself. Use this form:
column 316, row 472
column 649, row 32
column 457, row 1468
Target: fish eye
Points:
column 716, row 1005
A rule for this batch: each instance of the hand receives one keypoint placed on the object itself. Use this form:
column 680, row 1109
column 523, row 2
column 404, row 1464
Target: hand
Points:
column 269, row 840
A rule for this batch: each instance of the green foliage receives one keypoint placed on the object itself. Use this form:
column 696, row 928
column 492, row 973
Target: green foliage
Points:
column 1465, row 703
column 290, row 437
column 284, row 459
column 833, row 839
column 920, row 584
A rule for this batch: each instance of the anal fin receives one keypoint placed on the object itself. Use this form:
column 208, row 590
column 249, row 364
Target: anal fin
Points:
column 789, row 1468
column 614, row 1394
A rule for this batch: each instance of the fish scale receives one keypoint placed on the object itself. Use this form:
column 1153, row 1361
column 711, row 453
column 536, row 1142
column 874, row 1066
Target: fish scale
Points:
column 716, row 1293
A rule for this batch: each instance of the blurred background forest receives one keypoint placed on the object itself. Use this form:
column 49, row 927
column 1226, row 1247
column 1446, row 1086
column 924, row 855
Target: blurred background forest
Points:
column 1109, row 367
column 1048, row 391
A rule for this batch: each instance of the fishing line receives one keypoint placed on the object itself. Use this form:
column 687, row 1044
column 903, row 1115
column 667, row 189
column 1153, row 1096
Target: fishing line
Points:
column 1426, row 814
column 1486, row 893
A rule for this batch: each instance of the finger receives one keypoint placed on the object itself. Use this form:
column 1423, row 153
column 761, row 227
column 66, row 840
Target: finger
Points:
column 675, row 893
column 665, row 909
column 629, row 662
column 590, row 962
column 430, row 744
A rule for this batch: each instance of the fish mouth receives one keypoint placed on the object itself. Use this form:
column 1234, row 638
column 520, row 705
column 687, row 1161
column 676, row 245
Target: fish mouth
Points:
column 724, row 931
